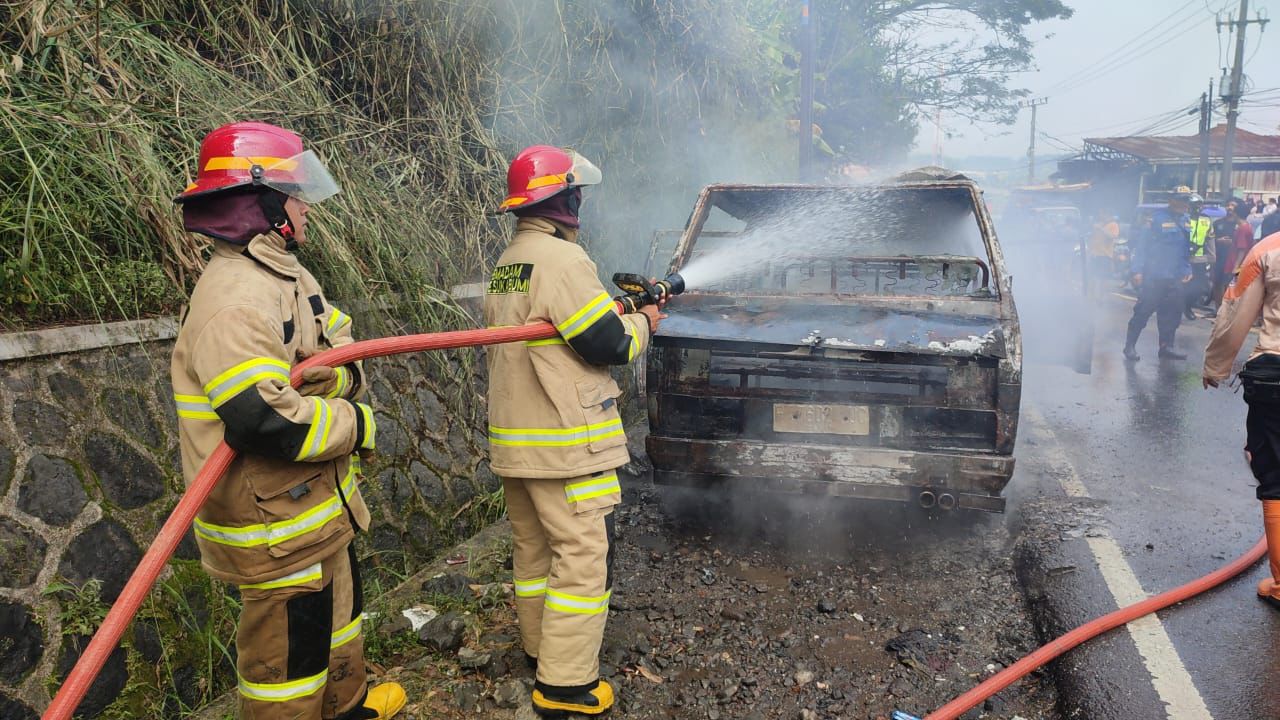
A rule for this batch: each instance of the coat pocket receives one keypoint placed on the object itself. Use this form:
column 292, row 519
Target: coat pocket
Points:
column 599, row 401
column 297, row 504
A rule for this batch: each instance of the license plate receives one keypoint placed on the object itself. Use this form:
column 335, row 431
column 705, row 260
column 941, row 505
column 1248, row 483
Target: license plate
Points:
column 826, row 419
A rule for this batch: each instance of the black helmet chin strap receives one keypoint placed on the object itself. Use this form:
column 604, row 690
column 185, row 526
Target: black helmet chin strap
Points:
column 272, row 204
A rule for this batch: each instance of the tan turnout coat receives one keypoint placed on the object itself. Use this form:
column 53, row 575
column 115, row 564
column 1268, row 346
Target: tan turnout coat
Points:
column 291, row 495
column 553, row 405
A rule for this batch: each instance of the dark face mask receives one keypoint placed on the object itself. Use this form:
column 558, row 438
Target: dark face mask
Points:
column 563, row 208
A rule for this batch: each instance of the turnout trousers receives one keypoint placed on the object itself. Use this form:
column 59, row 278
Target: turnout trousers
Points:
column 1162, row 298
column 299, row 645
column 562, row 562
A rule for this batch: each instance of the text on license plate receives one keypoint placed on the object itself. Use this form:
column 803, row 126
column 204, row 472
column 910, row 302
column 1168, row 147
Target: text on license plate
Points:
column 829, row 419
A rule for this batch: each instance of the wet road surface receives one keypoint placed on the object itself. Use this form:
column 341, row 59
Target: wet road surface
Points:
column 1135, row 482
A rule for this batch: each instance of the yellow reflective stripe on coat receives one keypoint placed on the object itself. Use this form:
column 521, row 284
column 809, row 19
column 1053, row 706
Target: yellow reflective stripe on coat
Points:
column 282, row 692
column 370, row 439
column 530, row 588
column 348, row 484
column 273, row 534
column 632, row 348
column 586, row 317
column 593, row 488
column 337, row 321
column 247, row 374
column 302, row 577
column 554, row 437
column 317, row 440
column 194, row 407
column 564, row 602
column 547, row 341
column 341, row 383
column 346, row 634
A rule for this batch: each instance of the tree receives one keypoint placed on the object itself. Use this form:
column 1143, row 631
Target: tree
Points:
column 882, row 64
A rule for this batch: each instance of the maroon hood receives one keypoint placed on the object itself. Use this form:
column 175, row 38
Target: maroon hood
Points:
column 563, row 208
column 233, row 217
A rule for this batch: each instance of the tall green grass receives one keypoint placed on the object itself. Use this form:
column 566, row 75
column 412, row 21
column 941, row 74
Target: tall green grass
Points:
column 415, row 104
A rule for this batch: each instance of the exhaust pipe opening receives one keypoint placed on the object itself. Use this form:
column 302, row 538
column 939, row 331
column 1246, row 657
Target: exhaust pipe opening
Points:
column 927, row 499
column 947, row 501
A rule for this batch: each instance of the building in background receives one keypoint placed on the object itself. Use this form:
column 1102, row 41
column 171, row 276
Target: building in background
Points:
column 1125, row 171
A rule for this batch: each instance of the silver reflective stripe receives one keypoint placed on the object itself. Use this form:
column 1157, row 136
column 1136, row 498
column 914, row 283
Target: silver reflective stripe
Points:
column 530, row 588
column 302, row 577
column 577, row 604
column 346, row 634
column 317, row 440
column 194, row 407
column 586, row 317
column 595, row 487
column 237, row 537
column 281, row 692
column 246, row 374
column 555, row 437
column 274, row 534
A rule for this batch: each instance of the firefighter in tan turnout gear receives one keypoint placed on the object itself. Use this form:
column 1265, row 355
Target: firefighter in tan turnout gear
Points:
column 279, row 524
column 555, row 435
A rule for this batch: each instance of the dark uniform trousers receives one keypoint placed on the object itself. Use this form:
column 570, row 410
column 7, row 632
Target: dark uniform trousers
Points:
column 1163, row 298
column 1261, row 380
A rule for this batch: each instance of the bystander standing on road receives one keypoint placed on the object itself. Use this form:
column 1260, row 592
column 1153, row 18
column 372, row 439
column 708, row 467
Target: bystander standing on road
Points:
column 1102, row 246
column 1203, row 250
column 1254, row 218
column 1224, row 231
column 1161, row 270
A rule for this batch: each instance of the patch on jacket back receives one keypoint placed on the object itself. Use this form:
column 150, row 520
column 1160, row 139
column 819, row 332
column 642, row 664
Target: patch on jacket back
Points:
column 510, row 279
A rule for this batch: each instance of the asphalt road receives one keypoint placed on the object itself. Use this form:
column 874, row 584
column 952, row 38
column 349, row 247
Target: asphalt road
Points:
column 1133, row 481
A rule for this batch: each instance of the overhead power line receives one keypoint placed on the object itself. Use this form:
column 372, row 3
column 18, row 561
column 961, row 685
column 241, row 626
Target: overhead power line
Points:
column 1139, row 51
column 1124, row 47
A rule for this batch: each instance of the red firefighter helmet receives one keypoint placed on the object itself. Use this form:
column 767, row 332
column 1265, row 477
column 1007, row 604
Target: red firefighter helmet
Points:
column 256, row 153
column 542, row 171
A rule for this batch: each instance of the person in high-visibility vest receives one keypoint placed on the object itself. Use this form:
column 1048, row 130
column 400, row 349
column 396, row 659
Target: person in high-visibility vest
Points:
column 280, row 524
column 1203, row 257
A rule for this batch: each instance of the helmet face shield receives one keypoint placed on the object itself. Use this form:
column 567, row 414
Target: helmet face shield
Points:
column 584, row 171
column 303, row 176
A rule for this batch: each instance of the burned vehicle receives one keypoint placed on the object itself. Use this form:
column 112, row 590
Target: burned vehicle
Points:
column 850, row 341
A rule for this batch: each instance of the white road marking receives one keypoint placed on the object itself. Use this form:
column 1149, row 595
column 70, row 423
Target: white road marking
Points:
column 1169, row 676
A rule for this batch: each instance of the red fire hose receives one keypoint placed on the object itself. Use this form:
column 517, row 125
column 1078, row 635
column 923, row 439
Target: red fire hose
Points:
column 1090, row 630
column 144, row 577
column 135, row 591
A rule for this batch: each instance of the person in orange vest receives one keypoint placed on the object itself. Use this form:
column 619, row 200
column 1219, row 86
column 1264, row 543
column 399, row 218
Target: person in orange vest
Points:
column 1252, row 294
column 279, row 525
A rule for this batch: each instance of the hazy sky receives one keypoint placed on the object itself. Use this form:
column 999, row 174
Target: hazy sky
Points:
column 1106, row 72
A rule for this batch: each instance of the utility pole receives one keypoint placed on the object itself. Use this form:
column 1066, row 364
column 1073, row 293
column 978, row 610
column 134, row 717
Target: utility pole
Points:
column 1031, row 149
column 1206, row 122
column 806, row 90
column 1232, row 98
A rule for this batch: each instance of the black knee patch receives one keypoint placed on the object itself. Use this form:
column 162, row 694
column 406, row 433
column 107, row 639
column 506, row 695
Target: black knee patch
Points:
column 357, row 589
column 310, row 620
column 608, row 561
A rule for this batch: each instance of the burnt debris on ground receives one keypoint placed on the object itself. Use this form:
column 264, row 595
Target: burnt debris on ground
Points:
column 761, row 608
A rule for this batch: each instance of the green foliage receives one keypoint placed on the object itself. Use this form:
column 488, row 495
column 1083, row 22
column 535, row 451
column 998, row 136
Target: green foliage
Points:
column 80, row 608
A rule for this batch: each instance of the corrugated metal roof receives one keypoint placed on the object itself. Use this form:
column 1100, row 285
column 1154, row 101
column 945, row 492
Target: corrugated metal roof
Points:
column 1249, row 147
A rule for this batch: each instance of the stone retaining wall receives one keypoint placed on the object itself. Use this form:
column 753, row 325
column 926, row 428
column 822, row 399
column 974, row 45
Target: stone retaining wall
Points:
column 89, row 469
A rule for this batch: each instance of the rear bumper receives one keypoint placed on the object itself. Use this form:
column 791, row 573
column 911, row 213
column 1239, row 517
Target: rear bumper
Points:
column 971, row 481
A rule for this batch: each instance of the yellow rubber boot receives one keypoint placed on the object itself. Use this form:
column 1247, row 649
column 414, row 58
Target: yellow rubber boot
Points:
column 1269, row 588
column 593, row 701
column 386, row 699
